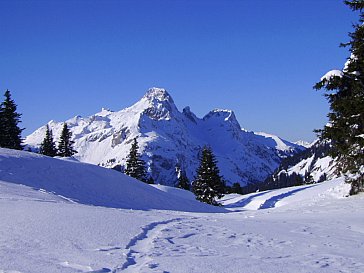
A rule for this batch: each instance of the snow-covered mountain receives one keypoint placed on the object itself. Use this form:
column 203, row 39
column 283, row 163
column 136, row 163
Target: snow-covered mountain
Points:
column 304, row 143
column 168, row 137
column 316, row 163
column 306, row 167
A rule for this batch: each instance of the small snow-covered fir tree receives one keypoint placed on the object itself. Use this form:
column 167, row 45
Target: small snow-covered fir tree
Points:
column 208, row 184
column 48, row 147
column 346, row 98
column 135, row 166
column 10, row 133
column 65, row 145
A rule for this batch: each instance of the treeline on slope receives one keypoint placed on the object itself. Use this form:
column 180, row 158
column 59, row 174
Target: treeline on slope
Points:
column 65, row 145
column 10, row 132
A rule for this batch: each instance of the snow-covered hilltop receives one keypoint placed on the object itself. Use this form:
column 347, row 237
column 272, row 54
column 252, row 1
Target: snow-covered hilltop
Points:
column 71, row 181
column 168, row 137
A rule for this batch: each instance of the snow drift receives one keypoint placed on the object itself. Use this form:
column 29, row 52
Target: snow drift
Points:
column 89, row 184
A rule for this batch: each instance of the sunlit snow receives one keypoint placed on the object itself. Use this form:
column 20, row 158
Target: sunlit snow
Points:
column 65, row 216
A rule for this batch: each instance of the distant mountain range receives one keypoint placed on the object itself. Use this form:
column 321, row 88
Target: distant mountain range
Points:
column 169, row 139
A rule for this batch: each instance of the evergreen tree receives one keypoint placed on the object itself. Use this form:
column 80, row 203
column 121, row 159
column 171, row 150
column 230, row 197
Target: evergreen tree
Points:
column 135, row 166
column 10, row 133
column 208, row 184
column 65, row 145
column 183, row 182
column 48, row 147
column 345, row 94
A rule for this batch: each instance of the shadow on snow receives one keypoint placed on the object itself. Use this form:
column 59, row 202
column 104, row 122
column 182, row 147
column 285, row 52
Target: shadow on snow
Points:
column 246, row 201
column 271, row 202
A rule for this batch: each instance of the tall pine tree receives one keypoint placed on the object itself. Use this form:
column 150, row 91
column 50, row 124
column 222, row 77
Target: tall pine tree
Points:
column 48, row 147
column 10, row 133
column 345, row 93
column 208, row 184
column 65, row 145
column 135, row 166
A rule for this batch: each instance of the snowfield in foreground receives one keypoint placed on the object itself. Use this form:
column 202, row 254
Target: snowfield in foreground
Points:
column 311, row 228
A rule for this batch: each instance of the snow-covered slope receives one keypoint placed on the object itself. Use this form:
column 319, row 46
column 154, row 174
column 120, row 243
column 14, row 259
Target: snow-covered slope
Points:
column 314, row 162
column 88, row 184
column 306, row 195
column 283, row 147
column 303, row 229
column 168, row 137
column 175, row 191
column 315, row 167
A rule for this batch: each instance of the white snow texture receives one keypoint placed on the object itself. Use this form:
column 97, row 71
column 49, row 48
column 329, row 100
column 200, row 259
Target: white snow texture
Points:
column 65, row 216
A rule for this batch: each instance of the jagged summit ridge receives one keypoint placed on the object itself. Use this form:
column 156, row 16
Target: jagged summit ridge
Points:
column 223, row 115
column 159, row 94
column 157, row 104
column 168, row 137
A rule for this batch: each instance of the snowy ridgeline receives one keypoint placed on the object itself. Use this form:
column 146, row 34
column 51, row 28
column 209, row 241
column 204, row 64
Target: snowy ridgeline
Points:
column 60, row 216
column 170, row 138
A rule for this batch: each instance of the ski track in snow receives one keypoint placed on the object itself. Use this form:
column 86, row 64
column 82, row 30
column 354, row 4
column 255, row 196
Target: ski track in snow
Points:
column 271, row 202
column 264, row 200
column 246, row 201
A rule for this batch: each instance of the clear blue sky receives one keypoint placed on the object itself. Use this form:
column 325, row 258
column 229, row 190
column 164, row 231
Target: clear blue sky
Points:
column 259, row 58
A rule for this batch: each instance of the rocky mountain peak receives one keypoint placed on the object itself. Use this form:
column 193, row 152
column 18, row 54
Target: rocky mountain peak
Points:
column 160, row 104
column 158, row 94
column 189, row 114
column 224, row 115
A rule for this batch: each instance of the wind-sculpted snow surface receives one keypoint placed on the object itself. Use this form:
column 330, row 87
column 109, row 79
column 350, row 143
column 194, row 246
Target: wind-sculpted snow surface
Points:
column 168, row 137
column 89, row 184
